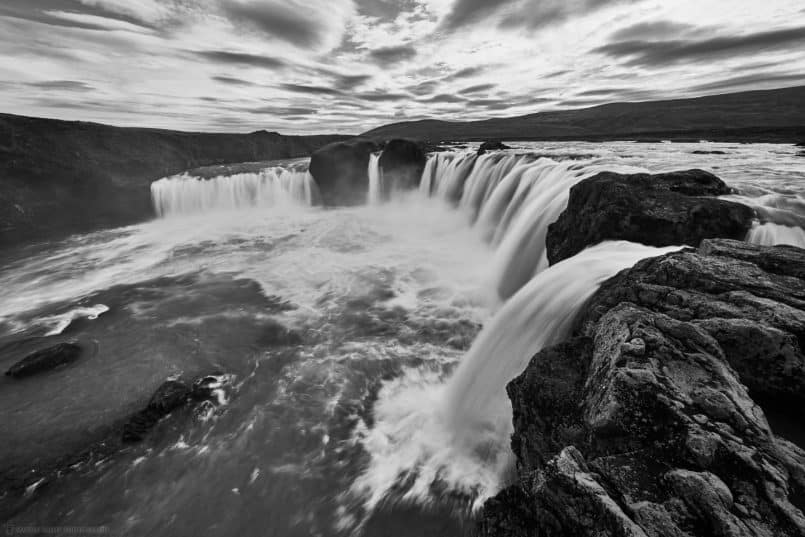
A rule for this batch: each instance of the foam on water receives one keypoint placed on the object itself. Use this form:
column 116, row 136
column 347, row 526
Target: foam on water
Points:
column 469, row 241
column 58, row 323
column 429, row 435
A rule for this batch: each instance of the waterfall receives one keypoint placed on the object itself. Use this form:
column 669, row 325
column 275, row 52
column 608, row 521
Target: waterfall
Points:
column 428, row 436
column 538, row 315
column 271, row 187
column 375, row 196
column 770, row 234
column 511, row 200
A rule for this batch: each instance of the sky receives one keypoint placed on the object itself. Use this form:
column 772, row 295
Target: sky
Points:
column 346, row 66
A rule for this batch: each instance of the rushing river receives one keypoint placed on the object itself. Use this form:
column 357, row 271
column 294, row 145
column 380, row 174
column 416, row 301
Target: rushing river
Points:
column 385, row 413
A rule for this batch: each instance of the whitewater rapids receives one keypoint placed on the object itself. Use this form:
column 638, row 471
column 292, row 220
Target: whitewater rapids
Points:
column 411, row 316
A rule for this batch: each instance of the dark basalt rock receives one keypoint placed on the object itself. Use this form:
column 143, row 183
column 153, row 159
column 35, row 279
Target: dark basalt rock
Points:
column 341, row 171
column 45, row 360
column 492, row 145
column 659, row 210
column 170, row 395
column 646, row 422
column 402, row 162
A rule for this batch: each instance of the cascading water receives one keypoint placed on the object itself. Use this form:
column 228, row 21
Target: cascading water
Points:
column 511, row 199
column 271, row 187
column 771, row 234
column 382, row 396
column 375, row 195
column 425, row 439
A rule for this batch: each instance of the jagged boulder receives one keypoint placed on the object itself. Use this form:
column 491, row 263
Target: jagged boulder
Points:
column 665, row 209
column 650, row 420
column 492, row 145
column 45, row 360
column 170, row 395
column 402, row 162
column 341, row 171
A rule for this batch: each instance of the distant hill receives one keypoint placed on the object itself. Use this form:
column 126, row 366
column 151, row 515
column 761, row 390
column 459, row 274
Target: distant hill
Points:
column 769, row 116
column 59, row 177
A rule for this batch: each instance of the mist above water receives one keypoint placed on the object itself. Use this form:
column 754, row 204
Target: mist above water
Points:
column 395, row 394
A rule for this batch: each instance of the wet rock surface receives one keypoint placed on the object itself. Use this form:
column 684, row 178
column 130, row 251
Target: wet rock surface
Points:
column 676, row 208
column 650, row 420
column 170, row 395
column 45, row 360
column 402, row 162
column 492, row 145
column 341, row 171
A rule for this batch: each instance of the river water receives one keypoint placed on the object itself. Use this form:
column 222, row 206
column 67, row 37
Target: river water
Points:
column 385, row 413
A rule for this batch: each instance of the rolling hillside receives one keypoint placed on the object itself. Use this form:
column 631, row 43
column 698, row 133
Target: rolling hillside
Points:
column 770, row 115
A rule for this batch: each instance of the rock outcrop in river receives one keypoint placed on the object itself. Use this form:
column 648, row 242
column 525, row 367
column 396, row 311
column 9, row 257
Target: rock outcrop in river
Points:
column 654, row 419
column 658, row 210
column 341, row 169
column 402, row 162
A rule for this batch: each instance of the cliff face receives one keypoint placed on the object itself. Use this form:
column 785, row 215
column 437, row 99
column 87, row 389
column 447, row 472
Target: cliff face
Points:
column 654, row 418
column 58, row 177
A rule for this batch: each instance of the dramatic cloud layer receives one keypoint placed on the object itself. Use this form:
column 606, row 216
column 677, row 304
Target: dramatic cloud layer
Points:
column 350, row 65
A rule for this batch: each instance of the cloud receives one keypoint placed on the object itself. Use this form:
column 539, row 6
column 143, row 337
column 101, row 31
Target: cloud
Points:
column 306, row 24
column 490, row 104
column 423, row 88
column 150, row 12
column 521, row 13
column 381, row 96
column 347, row 82
column 283, row 110
column 767, row 79
column 313, row 90
column 658, row 53
column 390, row 55
column 385, row 9
column 652, row 29
column 61, row 85
column 600, row 91
column 279, row 20
column 232, row 81
column 467, row 72
column 466, row 12
column 65, row 13
column 477, row 88
column 554, row 74
column 241, row 58
column 443, row 98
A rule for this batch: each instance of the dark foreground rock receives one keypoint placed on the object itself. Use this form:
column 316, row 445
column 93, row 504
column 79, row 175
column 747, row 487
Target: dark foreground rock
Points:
column 650, row 421
column 665, row 209
column 45, row 360
column 492, row 145
column 341, row 171
column 402, row 162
